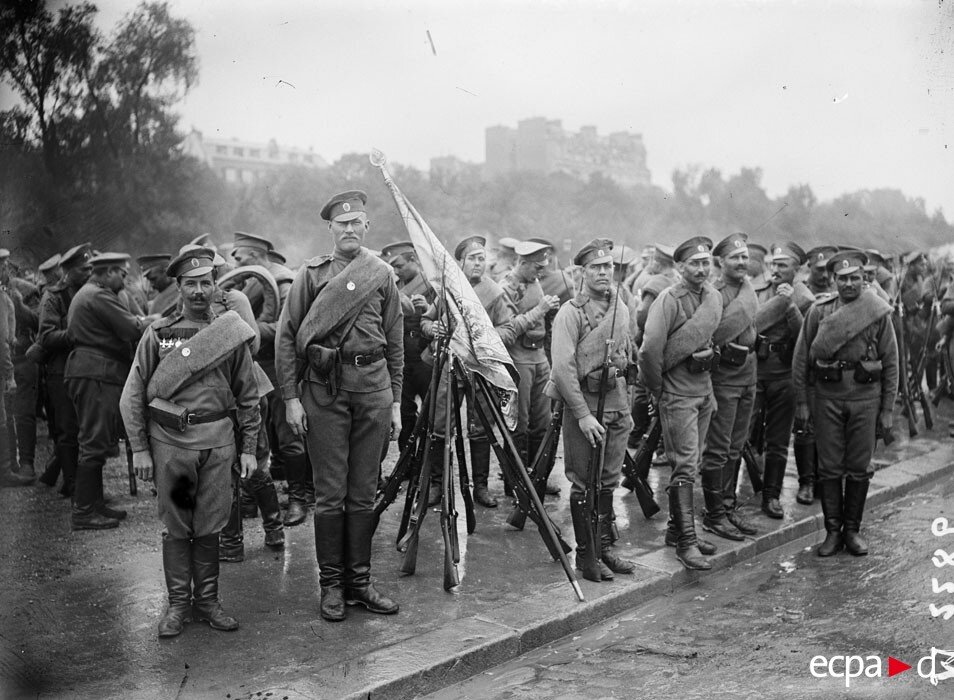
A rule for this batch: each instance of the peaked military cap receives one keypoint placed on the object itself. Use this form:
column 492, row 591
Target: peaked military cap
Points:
column 392, row 250
column 77, row 255
column 469, row 245
column 544, row 241
column 730, row 244
column 696, row 247
column 846, row 262
column 875, row 259
column 789, row 249
column 101, row 260
column 217, row 261
column 203, row 240
column 820, row 255
column 597, row 251
column 147, row 262
column 624, row 255
column 277, row 257
column 533, row 251
column 912, row 257
column 664, row 252
column 193, row 262
column 756, row 250
column 248, row 240
column 49, row 263
column 4, row 253
column 345, row 206
column 507, row 242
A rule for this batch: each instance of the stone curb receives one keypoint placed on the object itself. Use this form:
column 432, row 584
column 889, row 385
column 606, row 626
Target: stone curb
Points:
column 461, row 649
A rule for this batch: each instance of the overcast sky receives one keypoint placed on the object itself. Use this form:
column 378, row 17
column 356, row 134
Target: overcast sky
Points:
column 840, row 95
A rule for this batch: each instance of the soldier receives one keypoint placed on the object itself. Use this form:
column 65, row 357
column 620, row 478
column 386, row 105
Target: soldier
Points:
column 675, row 361
column 8, row 328
column 581, row 330
column 527, row 350
column 554, row 282
column 21, row 410
column 288, row 449
column 56, row 344
column 846, row 382
column 757, row 253
column 49, row 271
column 871, row 273
column 506, row 258
column 782, row 303
column 818, row 281
column 733, row 384
column 340, row 352
column 163, row 293
column 101, row 331
column 191, row 371
column 471, row 255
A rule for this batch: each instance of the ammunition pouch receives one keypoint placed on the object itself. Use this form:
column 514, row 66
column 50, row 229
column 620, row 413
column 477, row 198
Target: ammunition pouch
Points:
column 867, row 371
column 761, row 347
column 322, row 359
column 169, row 414
column 532, row 342
column 591, row 382
column 829, row 371
column 734, row 355
column 703, row 361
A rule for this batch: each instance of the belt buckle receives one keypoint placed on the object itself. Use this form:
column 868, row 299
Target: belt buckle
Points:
column 359, row 360
column 191, row 418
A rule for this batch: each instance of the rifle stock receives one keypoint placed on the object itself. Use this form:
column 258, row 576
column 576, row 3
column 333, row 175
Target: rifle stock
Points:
column 752, row 467
column 448, row 514
column 542, row 467
column 636, row 470
column 462, row 467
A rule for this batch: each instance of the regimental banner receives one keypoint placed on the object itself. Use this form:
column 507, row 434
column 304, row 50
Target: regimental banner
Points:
column 474, row 341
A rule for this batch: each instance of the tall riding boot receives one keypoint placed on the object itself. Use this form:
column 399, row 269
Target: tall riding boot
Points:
column 730, row 485
column 581, row 524
column 672, row 534
column 247, row 501
column 772, row 489
column 805, row 463
column 715, row 520
column 832, row 508
column 84, row 515
column 101, row 507
column 608, row 536
column 206, row 606
column 177, row 567
column 329, row 548
column 687, row 548
column 480, row 472
column 232, row 537
column 68, row 457
column 434, row 493
column 266, row 498
column 856, row 492
column 359, row 530
column 51, row 473
column 296, row 469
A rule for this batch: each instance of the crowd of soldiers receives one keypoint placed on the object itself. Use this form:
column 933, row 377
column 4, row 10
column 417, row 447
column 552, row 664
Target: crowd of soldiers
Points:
column 220, row 375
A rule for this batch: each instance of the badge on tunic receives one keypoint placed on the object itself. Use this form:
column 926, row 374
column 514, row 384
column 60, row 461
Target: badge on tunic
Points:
column 350, row 284
column 178, row 343
column 186, row 352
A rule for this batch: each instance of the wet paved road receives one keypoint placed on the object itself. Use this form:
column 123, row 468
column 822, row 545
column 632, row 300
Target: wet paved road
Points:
column 751, row 631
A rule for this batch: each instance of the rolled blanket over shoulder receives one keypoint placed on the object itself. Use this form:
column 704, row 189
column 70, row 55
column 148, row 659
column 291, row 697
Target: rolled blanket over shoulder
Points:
column 836, row 329
column 773, row 311
column 198, row 355
column 737, row 317
column 696, row 333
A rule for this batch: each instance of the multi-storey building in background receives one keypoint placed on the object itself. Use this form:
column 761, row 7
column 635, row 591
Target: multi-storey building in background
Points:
column 543, row 146
column 246, row 161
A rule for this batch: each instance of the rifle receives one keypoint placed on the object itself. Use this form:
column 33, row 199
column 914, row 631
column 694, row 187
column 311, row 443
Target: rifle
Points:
column 591, row 558
column 543, row 463
column 448, row 511
column 752, row 467
column 408, row 460
column 131, row 471
column 945, row 389
column 636, row 469
column 462, row 466
column 916, row 389
column 555, row 544
column 898, row 322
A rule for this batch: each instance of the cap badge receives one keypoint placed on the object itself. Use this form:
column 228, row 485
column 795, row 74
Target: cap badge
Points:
column 701, row 248
column 737, row 243
column 777, row 251
column 346, row 206
column 350, row 286
column 821, row 256
column 844, row 263
column 600, row 252
column 194, row 262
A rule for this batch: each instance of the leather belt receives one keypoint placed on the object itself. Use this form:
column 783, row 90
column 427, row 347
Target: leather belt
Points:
column 778, row 347
column 196, row 419
column 362, row 360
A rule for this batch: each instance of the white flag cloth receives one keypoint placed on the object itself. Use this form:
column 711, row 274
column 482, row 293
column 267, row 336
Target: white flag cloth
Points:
column 474, row 341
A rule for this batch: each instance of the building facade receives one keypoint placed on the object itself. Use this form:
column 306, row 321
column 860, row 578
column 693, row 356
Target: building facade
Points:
column 246, row 162
column 542, row 145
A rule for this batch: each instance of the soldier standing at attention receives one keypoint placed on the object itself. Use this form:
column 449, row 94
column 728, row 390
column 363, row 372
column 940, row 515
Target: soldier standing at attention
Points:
column 846, row 382
column 675, row 361
column 192, row 370
column 339, row 355
column 56, row 344
column 733, row 384
column 581, row 330
column 529, row 357
column 102, row 331
column 782, row 303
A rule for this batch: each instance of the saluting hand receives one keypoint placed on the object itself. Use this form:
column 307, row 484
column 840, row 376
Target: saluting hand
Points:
column 142, row 465
column 591, row 429
column 295, row 416
column 248, row 464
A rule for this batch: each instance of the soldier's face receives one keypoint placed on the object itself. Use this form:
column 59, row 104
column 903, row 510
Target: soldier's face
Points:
column 528, row 271
column 77, row 276
column 849, row 286
column 783, row 271
column 818, row 274
column 116, row 277
column 244, row 256
column 196, row 292
column 597, row 276
column 696, row 271
column 405, row 269
column 473, row 265
column 349, row 235
column 736, row 266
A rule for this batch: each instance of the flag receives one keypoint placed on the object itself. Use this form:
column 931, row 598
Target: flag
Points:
column 474, row 342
